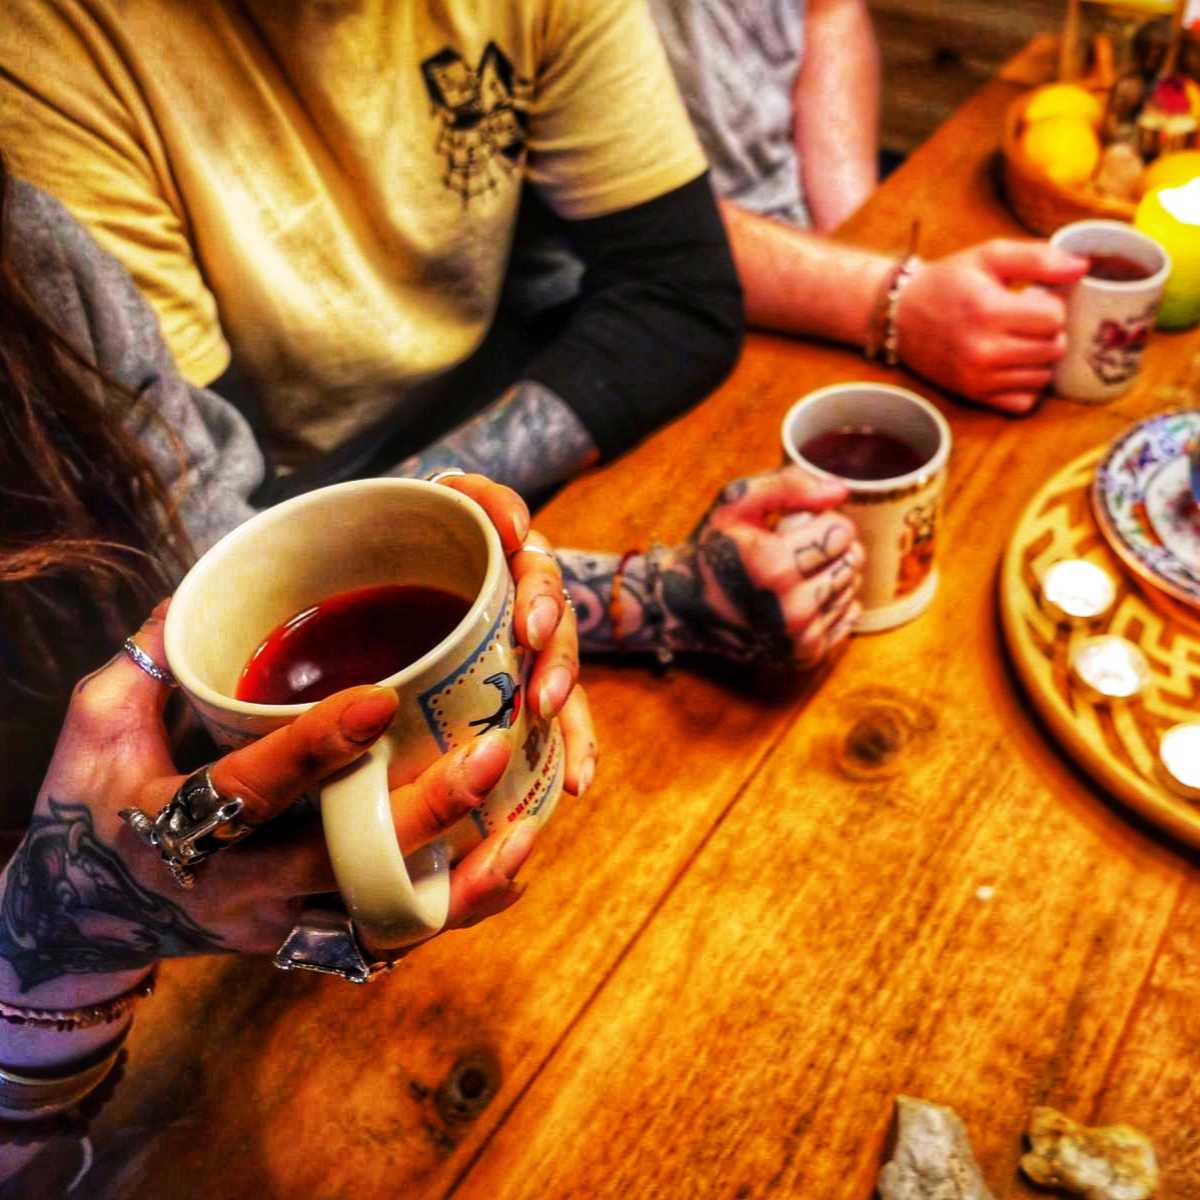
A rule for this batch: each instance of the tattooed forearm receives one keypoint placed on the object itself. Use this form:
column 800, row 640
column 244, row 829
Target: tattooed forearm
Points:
column 71, row 908
column 695, row 598
column 590, row 578
column 529, row 439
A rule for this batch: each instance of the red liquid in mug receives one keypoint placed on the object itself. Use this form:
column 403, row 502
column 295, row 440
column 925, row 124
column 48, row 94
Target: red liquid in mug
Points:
column 1116, row 268
column 354, row 637
column 860, row 452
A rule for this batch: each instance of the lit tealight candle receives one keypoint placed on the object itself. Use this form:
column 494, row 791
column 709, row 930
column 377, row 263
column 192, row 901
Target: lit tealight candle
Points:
column 1179, row 759
column 1109, row 668
column 1171, row 216
column 1077, row 592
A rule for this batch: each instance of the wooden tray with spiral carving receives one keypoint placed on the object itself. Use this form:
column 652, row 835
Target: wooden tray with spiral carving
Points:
column 1118, row 747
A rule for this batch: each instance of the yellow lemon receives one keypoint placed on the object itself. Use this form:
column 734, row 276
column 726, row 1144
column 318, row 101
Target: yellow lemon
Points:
column 1064, row 100
column 1065, row 148
column 1171, row 170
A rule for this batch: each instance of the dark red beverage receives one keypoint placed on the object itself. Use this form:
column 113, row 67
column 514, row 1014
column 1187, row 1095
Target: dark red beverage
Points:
column 354, row 637
column 1116, row 268
column 861, row 452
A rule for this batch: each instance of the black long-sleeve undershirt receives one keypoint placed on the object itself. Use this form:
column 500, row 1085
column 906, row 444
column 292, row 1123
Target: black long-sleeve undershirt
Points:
column 659, row 320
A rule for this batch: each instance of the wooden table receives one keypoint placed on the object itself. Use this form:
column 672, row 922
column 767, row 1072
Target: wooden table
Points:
column 766, row 919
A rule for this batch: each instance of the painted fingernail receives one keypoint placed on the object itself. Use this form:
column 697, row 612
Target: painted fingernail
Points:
column 543, row 620
column 515, row 849
column 486, row 760
column 521, row 524
column 586, row 774
column 553, row 693
column 366, row 718
column 512, row 894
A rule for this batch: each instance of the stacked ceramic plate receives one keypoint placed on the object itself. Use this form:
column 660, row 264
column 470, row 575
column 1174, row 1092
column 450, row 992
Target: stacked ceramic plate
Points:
column 1145, row 508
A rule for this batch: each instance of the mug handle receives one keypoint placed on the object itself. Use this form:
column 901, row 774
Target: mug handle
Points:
column 393, row 902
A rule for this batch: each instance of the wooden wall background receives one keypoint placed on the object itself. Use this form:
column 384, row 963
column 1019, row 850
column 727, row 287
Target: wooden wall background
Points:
column 937, row 52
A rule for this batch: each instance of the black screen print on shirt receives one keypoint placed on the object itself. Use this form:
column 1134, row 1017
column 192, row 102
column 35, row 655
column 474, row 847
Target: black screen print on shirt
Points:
column 482, row 115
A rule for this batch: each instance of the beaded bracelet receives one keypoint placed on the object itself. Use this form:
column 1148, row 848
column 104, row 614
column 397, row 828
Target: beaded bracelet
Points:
column 876, row 326
column 890, row 345
column 83, row 1017
column 883, row 330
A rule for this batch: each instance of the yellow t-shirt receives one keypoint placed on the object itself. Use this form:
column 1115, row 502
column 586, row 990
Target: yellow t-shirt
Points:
column 330, row 186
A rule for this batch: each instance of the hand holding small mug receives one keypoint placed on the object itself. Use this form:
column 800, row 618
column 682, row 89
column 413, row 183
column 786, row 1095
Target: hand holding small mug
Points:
column 770, row 575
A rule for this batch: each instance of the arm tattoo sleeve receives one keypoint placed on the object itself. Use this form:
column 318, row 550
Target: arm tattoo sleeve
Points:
column 529, row 439
column 71, row 908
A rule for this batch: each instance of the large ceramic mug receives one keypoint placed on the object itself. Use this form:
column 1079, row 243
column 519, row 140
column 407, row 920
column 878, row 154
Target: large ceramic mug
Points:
column 366, row 534
column 896, row 518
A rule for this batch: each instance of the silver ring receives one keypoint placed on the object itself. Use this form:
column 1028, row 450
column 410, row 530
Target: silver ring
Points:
column 445, row 473
column 527, row 549
column 193, row 825
column 147, row 664
column 324, row 940
column 567, row 598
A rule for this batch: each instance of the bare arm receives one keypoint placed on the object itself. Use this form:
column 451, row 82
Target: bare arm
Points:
column 836, row 106
column 799, row 282
column 984, row 323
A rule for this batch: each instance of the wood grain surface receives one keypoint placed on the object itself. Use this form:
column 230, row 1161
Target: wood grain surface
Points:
column 765, row 919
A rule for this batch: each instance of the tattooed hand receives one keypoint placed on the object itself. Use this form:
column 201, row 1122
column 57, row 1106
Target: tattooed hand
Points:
column 770, row 575
column 86, row 906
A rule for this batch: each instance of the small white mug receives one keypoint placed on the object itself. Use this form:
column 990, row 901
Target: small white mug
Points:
column 1108, row 320
column 357, row 535
column 896, row 518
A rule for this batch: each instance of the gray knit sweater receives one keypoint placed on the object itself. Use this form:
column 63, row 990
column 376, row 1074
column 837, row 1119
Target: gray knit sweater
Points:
column 93, row 303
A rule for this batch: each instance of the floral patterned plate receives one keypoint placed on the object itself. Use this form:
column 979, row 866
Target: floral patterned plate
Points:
column 1144, row 507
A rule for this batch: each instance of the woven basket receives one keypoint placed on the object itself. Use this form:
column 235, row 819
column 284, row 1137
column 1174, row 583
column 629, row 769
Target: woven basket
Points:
column 1040, row 204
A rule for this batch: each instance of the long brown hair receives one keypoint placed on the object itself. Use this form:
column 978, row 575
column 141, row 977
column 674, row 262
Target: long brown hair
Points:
column 89, row 538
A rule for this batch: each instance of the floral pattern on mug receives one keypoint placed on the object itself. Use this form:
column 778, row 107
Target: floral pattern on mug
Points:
column 918, row 539
column 1117, row 346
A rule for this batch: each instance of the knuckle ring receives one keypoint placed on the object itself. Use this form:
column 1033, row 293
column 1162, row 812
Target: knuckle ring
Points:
column 147, row 664
column 444, row 473
column 324, row 940
column 193, row 825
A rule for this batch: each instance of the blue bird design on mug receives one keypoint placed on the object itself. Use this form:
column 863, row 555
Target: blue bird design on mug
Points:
column 510, row 704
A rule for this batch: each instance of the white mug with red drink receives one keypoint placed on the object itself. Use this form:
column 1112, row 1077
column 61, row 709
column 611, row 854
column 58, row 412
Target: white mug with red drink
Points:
column 335, row 583
column 890, row 447
column 1110, row 310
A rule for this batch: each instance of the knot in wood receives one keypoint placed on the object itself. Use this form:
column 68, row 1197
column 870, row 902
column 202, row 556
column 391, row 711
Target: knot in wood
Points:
column 874, row 739
column 470, row 1086
column 884, row 727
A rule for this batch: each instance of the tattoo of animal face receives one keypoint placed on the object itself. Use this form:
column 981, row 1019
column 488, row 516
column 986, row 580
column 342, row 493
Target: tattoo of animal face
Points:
column 71, row 908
